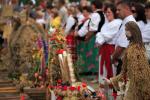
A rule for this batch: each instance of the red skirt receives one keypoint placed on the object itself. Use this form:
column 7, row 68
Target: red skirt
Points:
column 106, row 52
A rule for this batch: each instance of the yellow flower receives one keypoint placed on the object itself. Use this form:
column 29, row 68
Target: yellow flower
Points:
column 56, row 22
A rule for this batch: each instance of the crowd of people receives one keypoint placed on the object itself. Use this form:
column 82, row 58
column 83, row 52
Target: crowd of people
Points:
column 103, row 34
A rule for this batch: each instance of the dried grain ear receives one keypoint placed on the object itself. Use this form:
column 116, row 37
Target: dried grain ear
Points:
column 7, row 11
column 7, row 31
column 21, row 45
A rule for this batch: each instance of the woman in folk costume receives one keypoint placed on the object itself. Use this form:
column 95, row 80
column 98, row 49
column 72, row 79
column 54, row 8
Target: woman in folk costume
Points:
column 86, row 51
column 91, row 27
column 136, row 69
column 70, row 30
column 106, row 41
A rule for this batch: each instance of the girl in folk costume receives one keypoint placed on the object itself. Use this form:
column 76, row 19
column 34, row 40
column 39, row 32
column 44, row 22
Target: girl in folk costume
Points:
column 105, row 40
column 136, row 69
column 55, row 20
column 70, row 30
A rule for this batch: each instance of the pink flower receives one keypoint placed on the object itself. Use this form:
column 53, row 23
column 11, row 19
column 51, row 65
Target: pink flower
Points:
column 40, row 77
column 42, row 86
column 36, row 75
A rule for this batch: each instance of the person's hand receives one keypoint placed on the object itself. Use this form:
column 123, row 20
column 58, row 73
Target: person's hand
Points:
column 107, row 81
column 97, row 45
column 76, row 34
column 88, row 36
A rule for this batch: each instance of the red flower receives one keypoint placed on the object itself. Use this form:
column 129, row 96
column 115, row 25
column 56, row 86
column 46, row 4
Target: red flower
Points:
column 50, row 87
column 59, row 81
column 59, row 98
column 114, row 95
column 65, row 88
column 22, row 97
column 72, row 88
column 60, row 51
column 78, row 88
column 59, row 87
column 84, row 85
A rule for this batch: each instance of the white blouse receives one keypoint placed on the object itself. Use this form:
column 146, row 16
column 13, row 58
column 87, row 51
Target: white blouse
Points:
column 70, row 22
column 141, row 25
column 90, row 25
column 108, row 32
column 94, row 22
column 146, row 32
column 84, row 29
